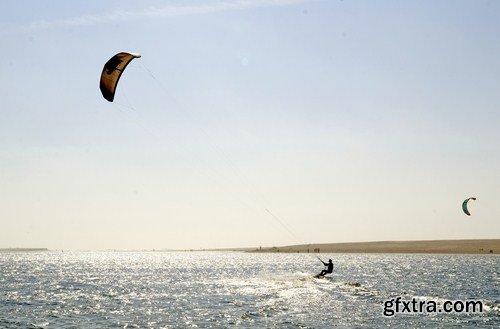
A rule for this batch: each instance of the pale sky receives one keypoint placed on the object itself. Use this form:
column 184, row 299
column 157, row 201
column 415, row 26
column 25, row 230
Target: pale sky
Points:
column 248, row 123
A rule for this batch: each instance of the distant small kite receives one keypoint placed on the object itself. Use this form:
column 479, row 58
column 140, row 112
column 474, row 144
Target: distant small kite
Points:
column 112, row 72
column 464, row 206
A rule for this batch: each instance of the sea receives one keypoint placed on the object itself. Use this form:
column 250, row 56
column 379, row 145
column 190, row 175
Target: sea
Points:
column 148, row 289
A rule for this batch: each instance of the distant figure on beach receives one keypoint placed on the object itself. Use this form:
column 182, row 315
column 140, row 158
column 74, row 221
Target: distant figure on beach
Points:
column 328, row 270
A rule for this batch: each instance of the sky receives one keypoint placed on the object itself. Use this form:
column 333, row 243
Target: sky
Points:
column 248, row 123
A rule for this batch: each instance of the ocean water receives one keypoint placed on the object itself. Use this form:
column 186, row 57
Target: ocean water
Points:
column 229, row 289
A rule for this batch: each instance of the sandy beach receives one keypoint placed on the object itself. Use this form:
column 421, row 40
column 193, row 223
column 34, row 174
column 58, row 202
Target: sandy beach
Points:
column 489, row 246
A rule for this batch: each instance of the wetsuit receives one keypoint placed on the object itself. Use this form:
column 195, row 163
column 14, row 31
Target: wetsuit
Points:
column 329, row 270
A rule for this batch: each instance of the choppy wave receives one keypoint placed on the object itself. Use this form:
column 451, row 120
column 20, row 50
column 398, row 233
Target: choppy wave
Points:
column 222, row 289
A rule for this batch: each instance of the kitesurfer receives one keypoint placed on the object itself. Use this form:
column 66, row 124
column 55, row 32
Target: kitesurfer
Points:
column 329, row 267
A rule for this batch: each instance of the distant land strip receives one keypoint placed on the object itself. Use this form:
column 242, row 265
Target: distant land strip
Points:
column 487, row 246
column 22, row 249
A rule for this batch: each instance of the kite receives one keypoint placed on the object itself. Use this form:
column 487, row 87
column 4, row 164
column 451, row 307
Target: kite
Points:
column 112, row 72
column 464, row 206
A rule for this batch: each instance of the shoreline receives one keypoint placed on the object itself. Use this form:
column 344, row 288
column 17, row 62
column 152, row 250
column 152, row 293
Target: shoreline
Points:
column 480, row 246
column 472, row 247
column 23, row 249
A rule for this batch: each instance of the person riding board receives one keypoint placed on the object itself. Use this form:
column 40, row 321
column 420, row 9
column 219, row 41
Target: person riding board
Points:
column 328, row 270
